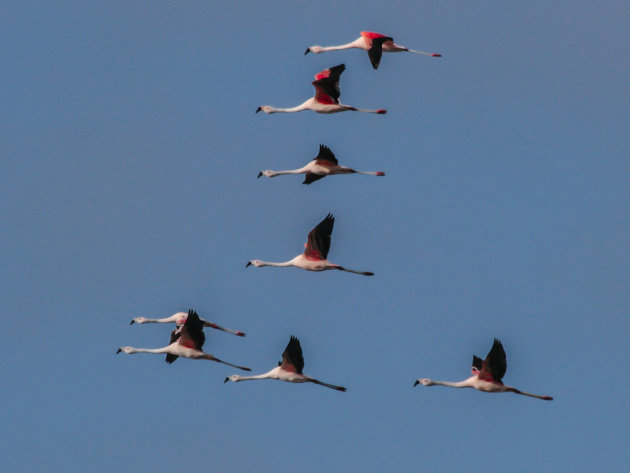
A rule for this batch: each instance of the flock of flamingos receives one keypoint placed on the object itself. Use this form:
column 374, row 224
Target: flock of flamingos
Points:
column 188, row 338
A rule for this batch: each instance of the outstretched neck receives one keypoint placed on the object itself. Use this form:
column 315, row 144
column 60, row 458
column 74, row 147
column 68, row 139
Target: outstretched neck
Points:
column 148, row 350
column 353, row 44
column 236, row 378
column 299, row 108
column 289, row 171
column 459, row 384
column 279, row 265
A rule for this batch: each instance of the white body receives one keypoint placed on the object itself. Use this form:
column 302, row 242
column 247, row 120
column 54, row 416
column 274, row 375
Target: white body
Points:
column 314, row 105
column 283, row 375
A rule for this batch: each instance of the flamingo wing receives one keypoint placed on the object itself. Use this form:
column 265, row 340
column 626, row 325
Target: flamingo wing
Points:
column 327, row 85
column 192, row 335
column 310, row 177
column 175, row 334
column 325, row 154
column 318, row 243
column 495, row 365
column 292, row 359
column 376, row 50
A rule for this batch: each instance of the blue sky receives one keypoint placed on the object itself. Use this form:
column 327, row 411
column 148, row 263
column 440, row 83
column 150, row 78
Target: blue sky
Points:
column 130, row 150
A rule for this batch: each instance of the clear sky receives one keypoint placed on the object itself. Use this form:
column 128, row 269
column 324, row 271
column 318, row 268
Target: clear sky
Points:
column 129, row 153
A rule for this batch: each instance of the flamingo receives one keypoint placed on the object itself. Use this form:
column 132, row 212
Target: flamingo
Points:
column 324, row 164
column 315, row 252
column 486, row 375
column 289, row 369
column 186, row 341
column 326, row 98
column 375, row 44
column 179, row 318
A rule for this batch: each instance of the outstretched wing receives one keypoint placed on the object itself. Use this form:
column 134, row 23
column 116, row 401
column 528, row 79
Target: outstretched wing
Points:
column 318, row 243
column 310, row 177
column 495, row 365
column 325, row 154
column 477, row 365
column 175, row 334
column 192, row 335
column 327, row 85
column 292, row 359
column 376, row 50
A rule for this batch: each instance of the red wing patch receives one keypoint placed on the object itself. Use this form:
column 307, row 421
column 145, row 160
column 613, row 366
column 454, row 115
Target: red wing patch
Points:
column 322, row 75
column 323, row 97
column 371, row 35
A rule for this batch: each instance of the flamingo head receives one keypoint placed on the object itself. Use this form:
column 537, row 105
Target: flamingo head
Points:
column 266, row 109
column 424, row 382
column 127, row 350
column 234, row 378
column 266, row 173
column 314, row 49
column 138, row 320
column 255, row 262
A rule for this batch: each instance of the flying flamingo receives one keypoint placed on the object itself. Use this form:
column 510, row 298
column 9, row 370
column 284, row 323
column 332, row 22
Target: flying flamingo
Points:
column 315, row 252
column 324, row 164
column 486, row 375
column 186, row 341
column 289, row 369
column 375, row 44
column 326, row 98
column 179, row 318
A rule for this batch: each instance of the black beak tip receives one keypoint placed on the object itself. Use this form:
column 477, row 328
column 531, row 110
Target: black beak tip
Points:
column 308, row 50
column 259, row 174
column 131, row 323
column 258, row 109
column 226, row 380
column 248, row 264
column 416, row 383
column 118, row 351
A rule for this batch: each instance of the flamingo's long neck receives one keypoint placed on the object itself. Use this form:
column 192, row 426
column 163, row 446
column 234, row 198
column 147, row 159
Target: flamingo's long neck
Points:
column 149, row 350
column 279, row 265
column 290, row 171
column 299, row 108
column 237, row 378
column 359, row 43
column 459, row 384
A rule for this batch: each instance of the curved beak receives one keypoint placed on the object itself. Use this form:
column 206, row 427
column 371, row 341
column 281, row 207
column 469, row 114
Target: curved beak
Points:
column 259, row 174
column 119, row 350
column 226, row 380
column 132, row 321
column 249, row 263
column 308, row 50
column 416, row 383
column 258, row 109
